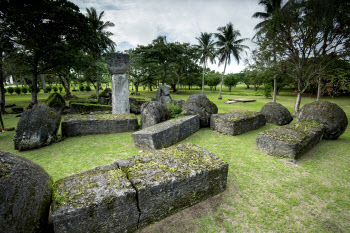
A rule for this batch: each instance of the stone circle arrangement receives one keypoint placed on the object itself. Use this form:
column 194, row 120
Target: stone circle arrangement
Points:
column 130, row 194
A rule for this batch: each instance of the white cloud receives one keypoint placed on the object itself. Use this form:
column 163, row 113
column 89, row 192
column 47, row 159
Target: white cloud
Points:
column 138, row 22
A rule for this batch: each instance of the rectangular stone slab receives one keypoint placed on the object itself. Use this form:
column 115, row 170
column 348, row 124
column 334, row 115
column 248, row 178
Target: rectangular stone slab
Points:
column 236, row 123
column 77, row 125
column 172, row 179
column 166, row 133
column 88, row 107
column 98, row 200
column 290, row 141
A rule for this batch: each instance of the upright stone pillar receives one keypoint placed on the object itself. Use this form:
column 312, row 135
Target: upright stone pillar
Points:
column 117, row 65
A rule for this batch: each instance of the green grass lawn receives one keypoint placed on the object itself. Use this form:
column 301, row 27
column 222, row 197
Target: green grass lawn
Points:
column 264, row 194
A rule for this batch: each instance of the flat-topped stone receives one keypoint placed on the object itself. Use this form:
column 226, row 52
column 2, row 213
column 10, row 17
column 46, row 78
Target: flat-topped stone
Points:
column 236, row 123
column 77, row 125
column 290, row 141
column 88, row 107
column 172, row 179
column 166, row 133
column 117, row 63
column 98, row 200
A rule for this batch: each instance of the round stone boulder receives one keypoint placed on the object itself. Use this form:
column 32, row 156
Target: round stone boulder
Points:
column 56, row 102
column 199, row 104
column 152, row 113
column 25, row 195
column 330, row 115
column 276, row 114
column 36, row 128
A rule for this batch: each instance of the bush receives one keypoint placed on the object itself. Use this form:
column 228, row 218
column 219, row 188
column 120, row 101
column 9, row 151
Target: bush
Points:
column 38, row 89
column 81, row 88
column 60, row 88
column 54, row 88
column 10, row 90
column 87, row 88
column 267, row 90
column 5, row 90
column 18, row 90
column 24, row 90
column 174, row 110
column 48, row 89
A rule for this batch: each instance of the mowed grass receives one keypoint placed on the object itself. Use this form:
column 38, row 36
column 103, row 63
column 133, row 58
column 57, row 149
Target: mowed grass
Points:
column 264, row 193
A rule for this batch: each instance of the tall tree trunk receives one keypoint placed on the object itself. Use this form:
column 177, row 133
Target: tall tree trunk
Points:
column 42, row 77
column 297, row 104
column 97, row 89
column 319, row 89
column 136, row 89
column 2, row 88
column 274, row 88
column 35, row 81
column 222, row 80
column 15, row 80
column 203, row 75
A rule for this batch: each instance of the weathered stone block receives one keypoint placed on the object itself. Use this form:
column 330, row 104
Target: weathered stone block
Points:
column 88, row 107
column 98, row 200
column 167, row 133
column 37, row 128
column 290, row 141
column 236, row 123
column 120, row 94
column 276, row 114
column 152, row 113
column 56, row 102
column 330, row 115
column 117, row 63
column 76, row 125
column 174, row 178
column 25, row 195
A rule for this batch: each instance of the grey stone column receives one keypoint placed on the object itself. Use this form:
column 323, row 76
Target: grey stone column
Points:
column 117, row 65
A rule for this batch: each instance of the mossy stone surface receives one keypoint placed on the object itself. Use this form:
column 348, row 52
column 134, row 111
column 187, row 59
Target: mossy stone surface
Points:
column 330, row 115
column 237, row 122
column 276, row 114
column 171, row 179
column 25, row 195
column 290, row 141
column 98, row 200
column 56, row 102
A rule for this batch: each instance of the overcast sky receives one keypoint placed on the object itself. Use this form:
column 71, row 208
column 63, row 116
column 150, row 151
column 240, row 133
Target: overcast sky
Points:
column 138, row 22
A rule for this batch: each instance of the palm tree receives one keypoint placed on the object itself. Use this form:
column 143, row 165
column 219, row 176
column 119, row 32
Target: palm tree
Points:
column 101, row 41
column 207, row 50
column 228, row 45
column 272, row 7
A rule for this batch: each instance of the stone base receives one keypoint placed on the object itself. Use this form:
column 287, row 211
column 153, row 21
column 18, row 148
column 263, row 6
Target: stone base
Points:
column 237, row 122
column 77, row 125
column 99, row 200
column 167, row 133
column 120, row 94
column 290, row 141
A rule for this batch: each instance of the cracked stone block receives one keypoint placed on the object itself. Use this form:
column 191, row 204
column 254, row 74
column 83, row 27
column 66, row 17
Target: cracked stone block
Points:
column 88, row 107
column 167, row 133
column 172, row 179
column 77, row 125
column 98, row 200
column 290, row 141
column 238, row 122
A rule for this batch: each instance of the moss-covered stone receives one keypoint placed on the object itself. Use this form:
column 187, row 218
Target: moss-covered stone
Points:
column 290, row 141
column 88, row 107
column 276, row 114
column 98, row 200
column 330, row 115
column 56, row 102
column 25, row 195
column 76, row 125
column 237, row 122
column 171, row 179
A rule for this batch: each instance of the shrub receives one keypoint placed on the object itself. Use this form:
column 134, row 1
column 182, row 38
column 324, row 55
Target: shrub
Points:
column 18, row 90
column 38, row 89
column 81, row 88
column 24, row 90
column 175, row 110
column 10, row 90
column 48, row 89
column 60, row 88
column 5, row 90
column 54, row 88
column 267, row 90
column 87, row 88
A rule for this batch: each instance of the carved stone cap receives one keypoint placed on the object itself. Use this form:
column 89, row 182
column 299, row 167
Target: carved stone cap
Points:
column 117, row 63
